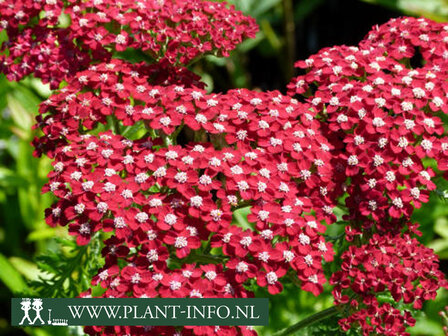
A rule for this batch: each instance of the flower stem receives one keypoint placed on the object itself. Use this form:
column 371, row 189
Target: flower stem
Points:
column 201, row 258
column 322, row 315
column 241, row 205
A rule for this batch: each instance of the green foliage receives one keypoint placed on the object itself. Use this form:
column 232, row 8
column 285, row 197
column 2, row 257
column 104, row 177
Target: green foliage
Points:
column 327, row 327
column 433, row 9
column 11, row 277
column 68, row 272
column 240, row 218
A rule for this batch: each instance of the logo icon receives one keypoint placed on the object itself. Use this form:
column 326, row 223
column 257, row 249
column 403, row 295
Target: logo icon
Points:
column 36, row 305
column 26, row 307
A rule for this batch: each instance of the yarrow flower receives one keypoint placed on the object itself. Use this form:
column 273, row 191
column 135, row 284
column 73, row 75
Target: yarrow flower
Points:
column 392, row 266
column 382, row 117
column 144, row 153
column 383, row 113
column 170, row 32
column 166, row 199
column 175, row 31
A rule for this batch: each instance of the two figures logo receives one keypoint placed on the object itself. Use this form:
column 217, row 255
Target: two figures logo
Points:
column 37, row 306
column 26, row 306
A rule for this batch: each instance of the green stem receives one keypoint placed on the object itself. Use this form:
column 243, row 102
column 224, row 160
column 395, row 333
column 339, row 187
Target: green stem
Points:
column 200, row 136
column 208, row 259
column 176, row 133
column 201, row 258
column 166, row 139
column 332, row 238
column 241, row 205
column 153, row 134
column 322, row 315
column 113, row 124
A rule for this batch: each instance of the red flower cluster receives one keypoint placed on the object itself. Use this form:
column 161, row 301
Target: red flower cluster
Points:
column 397, row 267
column 386, row 116
column 263, row 150
column 35, row 44
column 404, row 37
column 179, row 162
column 117, row 89
column 170, row 32
column 176, row 31
column 382, row 112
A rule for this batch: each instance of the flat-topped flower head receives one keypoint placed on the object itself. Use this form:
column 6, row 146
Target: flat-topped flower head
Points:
column 163, row 197
column 172, row 32
column 393, row 265
column 384, row 117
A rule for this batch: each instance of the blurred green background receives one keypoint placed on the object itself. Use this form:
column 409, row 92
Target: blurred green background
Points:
column 38, row 260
